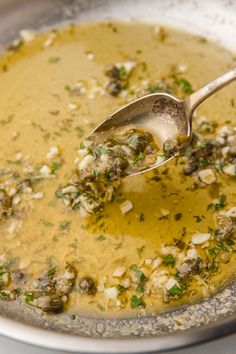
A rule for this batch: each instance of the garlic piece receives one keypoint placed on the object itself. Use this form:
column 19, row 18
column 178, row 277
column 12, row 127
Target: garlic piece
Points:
column 126, row 206
column 199, row 238
column 53, row 152
column 45, row 170
column 119, row 272
column 230, row 170
column 27, row 36
column 111, row 293
column 231, row 213
column 72, row 106
column 192, row 253
column 38, row 195
column 207, row 176
column 85, row 162
column 170, row 283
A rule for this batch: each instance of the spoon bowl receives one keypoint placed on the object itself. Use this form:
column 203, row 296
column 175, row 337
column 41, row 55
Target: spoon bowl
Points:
column 162, row 114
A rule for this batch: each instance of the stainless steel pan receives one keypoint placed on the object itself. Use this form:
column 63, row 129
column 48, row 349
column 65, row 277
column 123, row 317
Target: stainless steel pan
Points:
column 195, row 323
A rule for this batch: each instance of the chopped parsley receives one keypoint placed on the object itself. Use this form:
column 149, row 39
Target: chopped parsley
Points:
column 5, row 296
column 53, row 60
column 46, row 222
column 29, row 297
column 140, row 251
column 213, row 266
column 120, row 288
column 101, row 308
column 100, row 238
column 213, row 251
column 133, row 267
column 79, row 131
column 51, row 272
column 139, row 158
column 140, row 288
column 169, row 260
column 183, row 84
column 55, row 166
column 136, row 302
column 140, row 276
column 175, row 291
column 122, row 72
column 64, row 225
column 219, row 204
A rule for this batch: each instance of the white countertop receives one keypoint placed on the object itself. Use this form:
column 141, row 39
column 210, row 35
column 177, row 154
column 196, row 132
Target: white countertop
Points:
column 222, row 346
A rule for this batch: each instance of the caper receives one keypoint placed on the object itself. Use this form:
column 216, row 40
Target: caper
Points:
column 114, row 88
column 88, row 285
column 25, row 183
column 51, row 304
column 190, row 169
column 113, row 72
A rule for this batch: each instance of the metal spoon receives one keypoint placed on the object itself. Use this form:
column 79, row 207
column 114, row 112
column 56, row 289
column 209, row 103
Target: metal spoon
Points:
column 166, row 116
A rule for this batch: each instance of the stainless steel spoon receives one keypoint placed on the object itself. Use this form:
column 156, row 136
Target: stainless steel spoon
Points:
column 166, row 116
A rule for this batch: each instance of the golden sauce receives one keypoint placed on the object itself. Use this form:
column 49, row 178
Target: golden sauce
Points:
column 39, row 109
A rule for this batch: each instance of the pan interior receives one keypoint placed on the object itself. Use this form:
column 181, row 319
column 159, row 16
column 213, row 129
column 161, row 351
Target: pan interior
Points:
column 216, row 307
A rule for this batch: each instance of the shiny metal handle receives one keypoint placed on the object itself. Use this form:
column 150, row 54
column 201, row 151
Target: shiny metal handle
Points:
column 200, row 95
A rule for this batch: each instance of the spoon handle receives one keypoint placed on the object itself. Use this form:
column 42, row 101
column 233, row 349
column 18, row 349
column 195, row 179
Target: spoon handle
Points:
column 209, row 89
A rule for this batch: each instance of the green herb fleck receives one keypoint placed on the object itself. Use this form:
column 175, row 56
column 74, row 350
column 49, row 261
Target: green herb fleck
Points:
column 122, row 72
column 220, row 204
column 53, row 60
column 213, row 251
column 51, row 272
column 213, row 266
column 8, row 120
column 100, row 238
column 144, row 66
column 121, row 288
column 101, row 308
column 183, row 84
column 133, row 267
column 55, row 166
column 140, row 288
column 52, row 203
column 5, row 296
column 136, row 302
column 107, row 174
column 64, row 225
column 29, row 297
column 8, row 263
column 169, row 260
column 79, row 131
column 138, row 158
column 175, row 291
column 140, row 251
column 46, row 222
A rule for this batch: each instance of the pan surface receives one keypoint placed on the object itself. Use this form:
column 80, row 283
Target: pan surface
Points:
column 196, row 323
